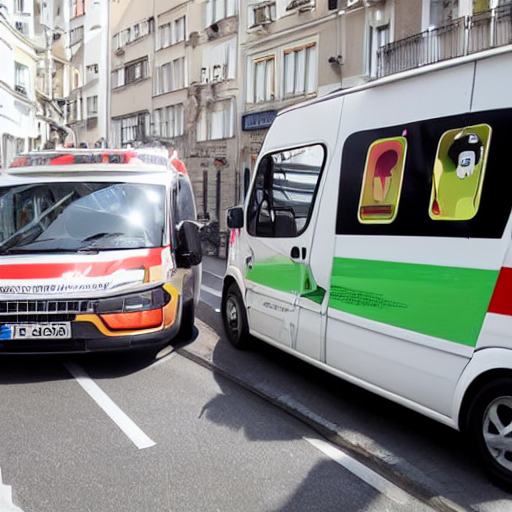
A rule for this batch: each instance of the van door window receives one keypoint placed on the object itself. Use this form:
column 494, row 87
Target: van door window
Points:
column 284, row 192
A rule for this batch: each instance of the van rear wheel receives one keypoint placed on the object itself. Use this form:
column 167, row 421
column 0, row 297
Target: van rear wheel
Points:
column 490, row 430
column 235, row 318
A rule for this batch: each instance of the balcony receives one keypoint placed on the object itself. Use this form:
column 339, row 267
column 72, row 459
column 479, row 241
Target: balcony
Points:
column 462, row 36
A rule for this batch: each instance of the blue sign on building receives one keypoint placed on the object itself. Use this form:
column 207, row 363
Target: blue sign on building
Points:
column 258, row 120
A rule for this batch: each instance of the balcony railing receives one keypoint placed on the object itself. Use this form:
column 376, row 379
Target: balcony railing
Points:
column 462, row 36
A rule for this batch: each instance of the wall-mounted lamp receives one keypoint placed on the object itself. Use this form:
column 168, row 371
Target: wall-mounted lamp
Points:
column 336, row 60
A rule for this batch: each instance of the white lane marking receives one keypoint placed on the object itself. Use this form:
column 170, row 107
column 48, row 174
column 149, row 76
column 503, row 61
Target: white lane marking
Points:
column 212, row 273
column 211, row 291
column 360, row 470
column 133, row 432
column 6, row 504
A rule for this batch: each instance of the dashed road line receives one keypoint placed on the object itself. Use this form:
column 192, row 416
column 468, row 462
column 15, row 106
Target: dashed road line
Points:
column 6, row 504
column 132, row 431
column 363, row 472
column 211, row 291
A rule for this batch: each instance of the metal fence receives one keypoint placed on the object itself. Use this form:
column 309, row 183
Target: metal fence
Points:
column 462, row 36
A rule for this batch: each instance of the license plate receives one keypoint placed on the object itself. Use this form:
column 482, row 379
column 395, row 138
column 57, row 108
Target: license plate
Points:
column 61, row 330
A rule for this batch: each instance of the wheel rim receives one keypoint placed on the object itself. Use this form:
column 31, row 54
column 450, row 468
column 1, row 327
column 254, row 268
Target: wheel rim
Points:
column 497, row 430
column 233, row 317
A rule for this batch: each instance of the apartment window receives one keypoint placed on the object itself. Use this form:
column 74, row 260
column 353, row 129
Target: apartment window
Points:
column 117, row 78
column 157, row 122
column 77, row 8
column 178, row 66
column 136, row 71
column 179, row 30
column 21, row 27
column 378, row 37
column 133, row 128
column 217, row 121
column 168, row 122
column 300, row 69
column 19, row 6
column 92, row 106
column 215, row 10
column 170, row 76
column 91, row 72
column 219, row 62
column 76, row 35
column 164, row 36
column 21, row 79
column 263, row 80
column 261, row 14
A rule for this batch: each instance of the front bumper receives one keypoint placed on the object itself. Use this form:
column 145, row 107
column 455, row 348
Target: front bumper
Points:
column 89, row 333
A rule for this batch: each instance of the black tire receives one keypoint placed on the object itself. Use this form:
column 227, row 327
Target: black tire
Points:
column 235, row 318
column 489, row 426
column 187, row 321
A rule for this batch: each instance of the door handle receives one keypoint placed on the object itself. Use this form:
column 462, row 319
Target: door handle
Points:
column 297, row 253
column 249, row 262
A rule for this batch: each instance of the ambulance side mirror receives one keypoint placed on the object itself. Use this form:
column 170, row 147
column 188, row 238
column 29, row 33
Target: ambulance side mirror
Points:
column 189, row 252
column 235, row 217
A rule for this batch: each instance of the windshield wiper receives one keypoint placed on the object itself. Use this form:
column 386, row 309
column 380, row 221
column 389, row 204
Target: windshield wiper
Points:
column 105, row 234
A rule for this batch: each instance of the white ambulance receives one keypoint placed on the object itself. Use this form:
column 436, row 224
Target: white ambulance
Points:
column 375, row 243
column 98, row 251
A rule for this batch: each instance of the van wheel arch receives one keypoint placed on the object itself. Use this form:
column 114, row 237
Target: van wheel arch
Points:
column 482, row 380
column 485, row 417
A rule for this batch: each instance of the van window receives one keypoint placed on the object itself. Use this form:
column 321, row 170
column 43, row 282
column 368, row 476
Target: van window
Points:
column 284, row 192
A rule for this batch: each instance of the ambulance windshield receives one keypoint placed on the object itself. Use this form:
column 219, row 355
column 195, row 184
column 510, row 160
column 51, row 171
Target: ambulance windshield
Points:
column 78, row 216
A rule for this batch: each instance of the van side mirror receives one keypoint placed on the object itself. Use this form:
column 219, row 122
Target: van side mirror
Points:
column 235, row 217
column 189, row 252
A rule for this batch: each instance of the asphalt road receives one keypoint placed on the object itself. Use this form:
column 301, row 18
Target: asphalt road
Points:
column 207, row 428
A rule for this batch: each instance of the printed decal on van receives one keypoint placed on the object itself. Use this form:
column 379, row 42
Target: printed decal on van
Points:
column 382, row 181
column 445, row 302
column 459, row 171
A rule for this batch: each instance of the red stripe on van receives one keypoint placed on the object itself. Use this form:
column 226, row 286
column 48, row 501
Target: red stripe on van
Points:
column 501, row 302
column 90, row 268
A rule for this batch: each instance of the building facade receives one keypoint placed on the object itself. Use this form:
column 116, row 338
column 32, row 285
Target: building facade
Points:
column 205, row 78
column 18, row 61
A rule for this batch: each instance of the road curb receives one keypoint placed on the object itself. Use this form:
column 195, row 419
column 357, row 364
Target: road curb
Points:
column 394, row 469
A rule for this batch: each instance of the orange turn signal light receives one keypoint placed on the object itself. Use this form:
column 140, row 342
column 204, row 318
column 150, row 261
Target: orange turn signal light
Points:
column 134, row 320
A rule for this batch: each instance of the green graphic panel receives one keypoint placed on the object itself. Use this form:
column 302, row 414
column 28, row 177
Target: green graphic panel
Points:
column 287, row 276
column 445, row 302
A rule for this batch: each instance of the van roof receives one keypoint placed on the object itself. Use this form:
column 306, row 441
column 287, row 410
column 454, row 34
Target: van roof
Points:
column 422, row 70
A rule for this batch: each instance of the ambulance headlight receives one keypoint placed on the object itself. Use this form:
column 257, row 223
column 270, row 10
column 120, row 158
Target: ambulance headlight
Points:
column 143, row 301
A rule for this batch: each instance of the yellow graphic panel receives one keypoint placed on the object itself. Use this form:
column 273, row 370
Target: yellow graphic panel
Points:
column 459, row 171
column 382, row 181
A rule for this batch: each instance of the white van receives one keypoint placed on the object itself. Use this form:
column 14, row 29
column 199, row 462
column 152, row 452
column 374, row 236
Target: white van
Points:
column 375, row 243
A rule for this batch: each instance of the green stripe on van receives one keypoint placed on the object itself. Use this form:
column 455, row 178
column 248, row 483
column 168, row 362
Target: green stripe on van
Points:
column 445, row 302
column 287, row 276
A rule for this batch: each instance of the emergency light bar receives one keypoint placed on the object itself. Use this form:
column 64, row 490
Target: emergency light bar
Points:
column 157, row 157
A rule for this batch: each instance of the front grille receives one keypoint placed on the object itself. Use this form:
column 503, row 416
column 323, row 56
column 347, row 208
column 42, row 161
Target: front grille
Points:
column 43, row 311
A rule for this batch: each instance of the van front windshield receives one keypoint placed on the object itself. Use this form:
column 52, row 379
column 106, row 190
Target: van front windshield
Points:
column 62, row 217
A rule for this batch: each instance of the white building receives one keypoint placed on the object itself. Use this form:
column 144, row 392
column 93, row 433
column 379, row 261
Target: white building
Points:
column 18, row 58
